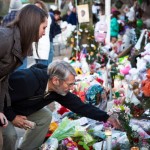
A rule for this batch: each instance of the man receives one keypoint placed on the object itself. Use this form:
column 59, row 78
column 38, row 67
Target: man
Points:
column 72, row 18
column 28, row 101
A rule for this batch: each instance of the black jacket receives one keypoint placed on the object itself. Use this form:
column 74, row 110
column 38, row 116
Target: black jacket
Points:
column 27, row 95
column 54, row 28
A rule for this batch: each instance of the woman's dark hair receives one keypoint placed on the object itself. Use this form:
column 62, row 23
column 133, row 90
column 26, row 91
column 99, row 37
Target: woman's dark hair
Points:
column 57, row 12
column 28, row 20
column 115, row 14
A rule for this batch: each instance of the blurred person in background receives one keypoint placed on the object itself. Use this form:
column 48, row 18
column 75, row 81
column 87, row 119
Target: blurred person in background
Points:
column 15, row 6
column 54, row 30
column 43, row 45
column 72, row 18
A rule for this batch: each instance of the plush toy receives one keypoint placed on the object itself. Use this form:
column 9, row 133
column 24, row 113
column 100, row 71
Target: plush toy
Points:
column 130, row 13
column 126, row 40
column 147, row 50
column 141, row 64
column 93, row 94
column 101, row 30
column 146, row 85
column 84, row 66
column 132, row 94
column 125, row 70
column 67, row 29
column 135, row 86
column 147, row 22
column 133, row 75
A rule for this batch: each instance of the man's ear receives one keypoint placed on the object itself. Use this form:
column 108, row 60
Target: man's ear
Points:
column 55, row 80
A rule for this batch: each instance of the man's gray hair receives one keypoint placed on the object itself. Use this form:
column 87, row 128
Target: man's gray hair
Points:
column 61, row 69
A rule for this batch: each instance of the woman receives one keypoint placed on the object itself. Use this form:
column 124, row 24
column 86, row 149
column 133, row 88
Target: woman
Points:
column 114, row 26
column 15, row 44
column 43, row 45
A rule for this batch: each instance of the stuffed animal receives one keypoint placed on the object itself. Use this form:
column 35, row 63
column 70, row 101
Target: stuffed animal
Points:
column 135, row 86
column 93, row 94
column 126, row 40
column 101, row 30
column 125, row 70
column 130, row 12
column 146, row 85
column 67, row 29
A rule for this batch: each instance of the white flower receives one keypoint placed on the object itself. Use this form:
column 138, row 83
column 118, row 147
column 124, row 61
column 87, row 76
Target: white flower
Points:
column 134, row 127
column 92, row 45
column 80, row 30
column 86, row 31
column 127, row 109
column 110, row 112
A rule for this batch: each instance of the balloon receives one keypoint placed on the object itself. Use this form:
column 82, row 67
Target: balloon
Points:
column 140, row 1
column 139, row 23
column 118, row 4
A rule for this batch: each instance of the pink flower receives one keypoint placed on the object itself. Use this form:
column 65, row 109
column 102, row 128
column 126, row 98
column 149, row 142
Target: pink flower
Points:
column 142, row 134
column 117, row 102
column 106, row 125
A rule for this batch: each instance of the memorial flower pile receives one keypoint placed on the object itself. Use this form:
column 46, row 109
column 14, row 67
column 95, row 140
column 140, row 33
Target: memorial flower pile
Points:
column 135, row 135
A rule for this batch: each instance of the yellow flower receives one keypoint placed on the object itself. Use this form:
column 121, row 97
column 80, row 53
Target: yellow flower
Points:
column 53, row 126
column 71, row 45
column 94, row 47
column 79, row 33
column 72, row 40
column 122, row 107
column 78, row 71
column 91, row 53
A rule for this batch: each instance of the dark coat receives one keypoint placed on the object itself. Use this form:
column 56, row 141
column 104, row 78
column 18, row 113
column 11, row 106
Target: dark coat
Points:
column 72, row 18
column 27, row 96
column 10, row 56
column 54, row 28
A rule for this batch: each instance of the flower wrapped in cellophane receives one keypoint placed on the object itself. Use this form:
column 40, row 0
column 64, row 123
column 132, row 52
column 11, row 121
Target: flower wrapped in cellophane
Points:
column 65, row 129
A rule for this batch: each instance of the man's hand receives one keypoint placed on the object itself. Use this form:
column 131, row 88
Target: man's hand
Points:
column 3, row 120
column 20, row 121
column 114, row 122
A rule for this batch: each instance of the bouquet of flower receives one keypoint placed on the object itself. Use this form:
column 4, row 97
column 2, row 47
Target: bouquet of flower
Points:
column 137, row 135
column 123, row 113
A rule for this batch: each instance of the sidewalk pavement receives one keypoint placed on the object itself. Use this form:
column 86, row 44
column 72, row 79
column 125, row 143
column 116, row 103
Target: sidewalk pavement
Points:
column 60, row 52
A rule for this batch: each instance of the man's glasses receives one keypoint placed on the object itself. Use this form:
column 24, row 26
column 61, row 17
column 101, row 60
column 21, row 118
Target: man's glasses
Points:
column 69, row 84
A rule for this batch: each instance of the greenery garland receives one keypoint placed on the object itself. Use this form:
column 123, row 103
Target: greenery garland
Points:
column 85, row 36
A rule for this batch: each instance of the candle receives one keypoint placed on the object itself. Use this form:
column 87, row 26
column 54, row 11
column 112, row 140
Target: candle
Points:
column 135, row 148
column 108, row 134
